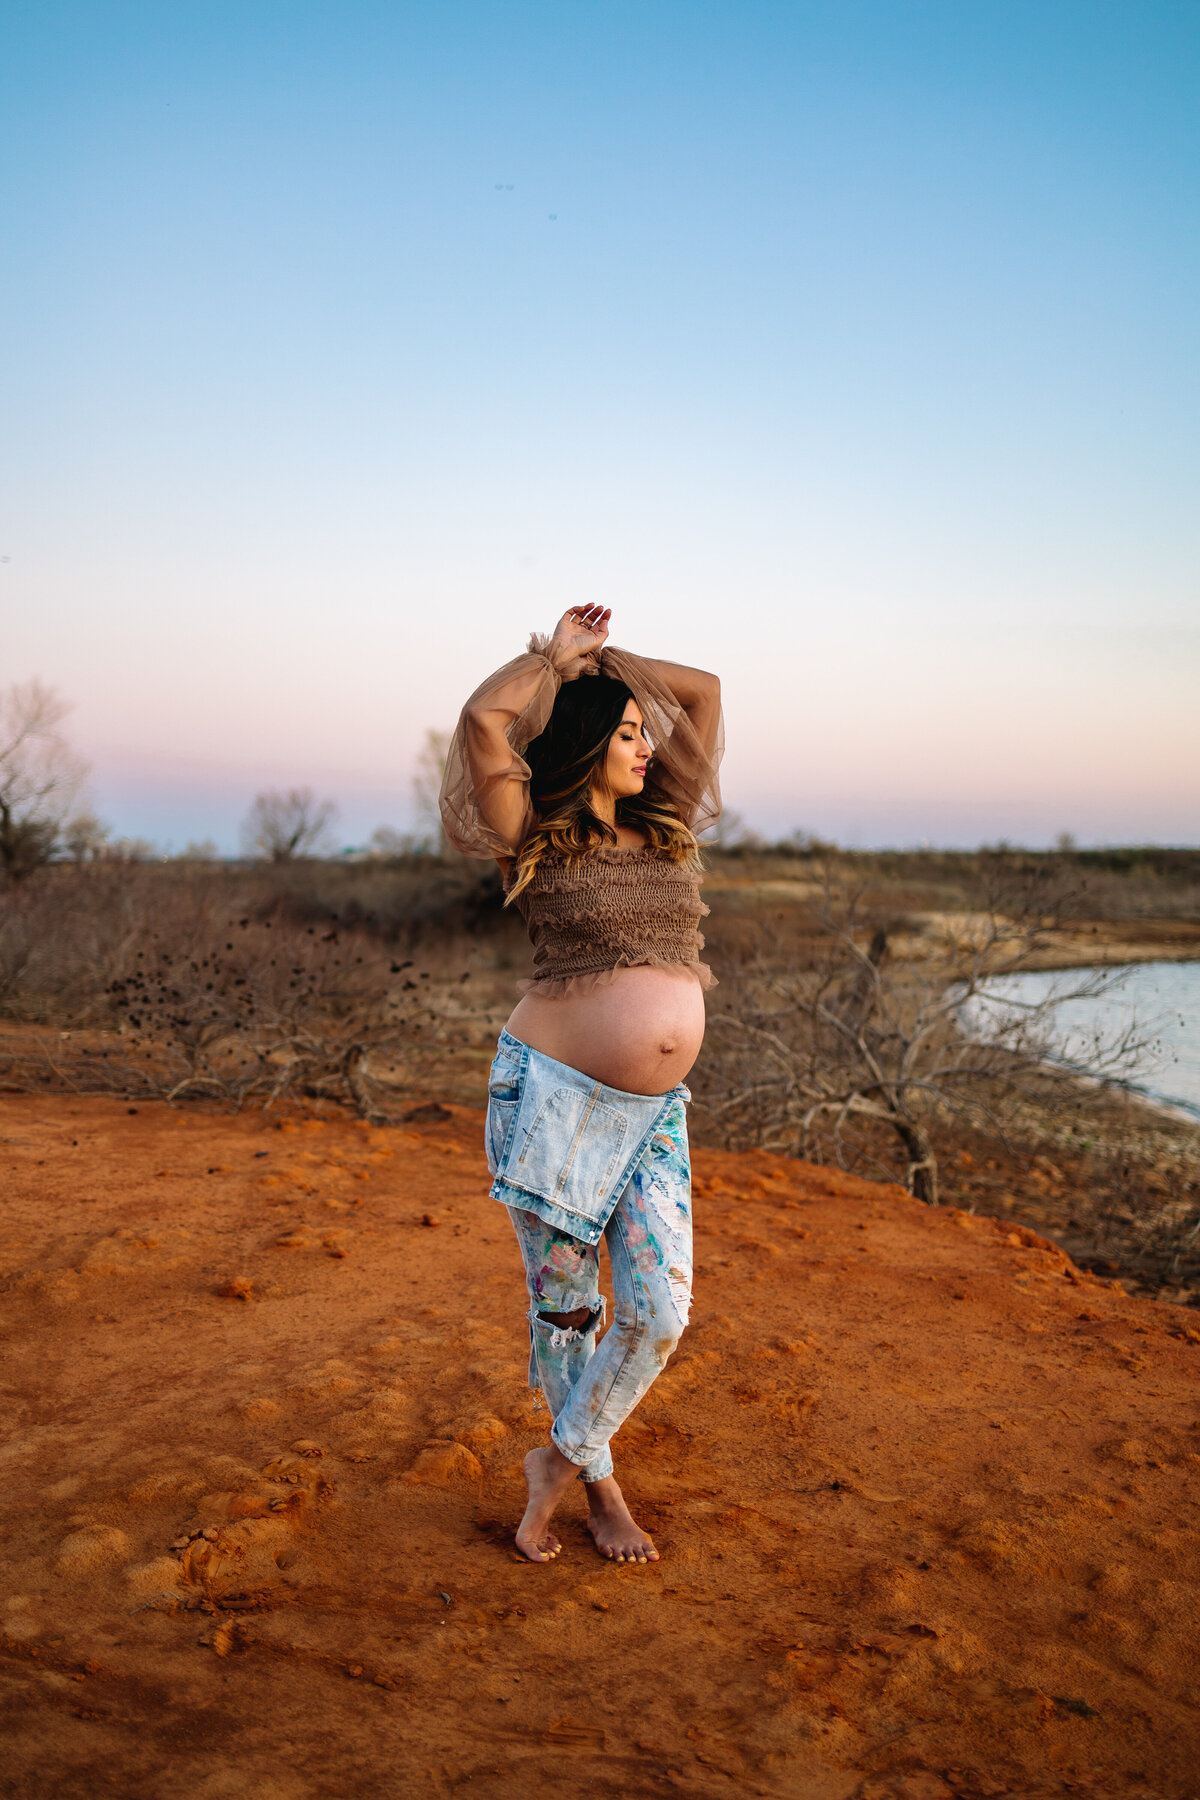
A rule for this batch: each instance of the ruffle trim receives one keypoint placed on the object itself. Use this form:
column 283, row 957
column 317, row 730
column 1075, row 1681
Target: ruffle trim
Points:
column 554, row 987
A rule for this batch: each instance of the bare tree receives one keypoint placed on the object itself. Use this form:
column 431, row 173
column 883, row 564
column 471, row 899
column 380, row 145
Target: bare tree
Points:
column 130, row 850
column 41, row 776
column 427, row 784
column 84, row 838
column 893, row 1030
column 385, row 841
column 281, row 825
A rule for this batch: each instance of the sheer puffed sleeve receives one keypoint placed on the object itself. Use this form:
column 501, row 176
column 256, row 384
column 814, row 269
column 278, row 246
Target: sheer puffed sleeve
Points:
column 485, row 789
column 682, row 711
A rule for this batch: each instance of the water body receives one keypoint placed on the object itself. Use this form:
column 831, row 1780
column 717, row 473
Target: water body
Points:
column 1160, row 1000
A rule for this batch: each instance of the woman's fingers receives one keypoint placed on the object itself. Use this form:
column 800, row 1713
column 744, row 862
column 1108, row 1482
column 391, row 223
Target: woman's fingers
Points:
column 584, row 622
column 590, row 617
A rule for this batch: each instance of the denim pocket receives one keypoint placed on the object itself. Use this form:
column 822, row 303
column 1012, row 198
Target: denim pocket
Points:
column 504, row 1097
column 570, row 1151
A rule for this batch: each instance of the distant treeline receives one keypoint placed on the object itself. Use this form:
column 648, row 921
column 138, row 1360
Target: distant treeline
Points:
column 1179, row 863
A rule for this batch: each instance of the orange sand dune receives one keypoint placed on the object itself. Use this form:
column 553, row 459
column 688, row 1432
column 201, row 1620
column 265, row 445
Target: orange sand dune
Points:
column 926, row 1496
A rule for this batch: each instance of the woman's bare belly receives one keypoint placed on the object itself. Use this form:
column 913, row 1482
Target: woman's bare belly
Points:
column 642, row 1032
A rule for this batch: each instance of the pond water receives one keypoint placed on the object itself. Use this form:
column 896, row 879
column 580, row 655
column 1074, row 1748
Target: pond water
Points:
column 1159, row 1000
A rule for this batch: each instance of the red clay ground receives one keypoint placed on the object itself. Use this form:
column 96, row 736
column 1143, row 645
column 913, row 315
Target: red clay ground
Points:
column 926, row 1496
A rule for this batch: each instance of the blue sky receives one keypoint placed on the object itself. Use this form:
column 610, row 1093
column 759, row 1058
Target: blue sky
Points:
column 847, row 349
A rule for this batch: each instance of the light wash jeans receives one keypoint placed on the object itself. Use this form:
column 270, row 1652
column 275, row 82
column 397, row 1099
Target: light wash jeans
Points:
column 616, row 1166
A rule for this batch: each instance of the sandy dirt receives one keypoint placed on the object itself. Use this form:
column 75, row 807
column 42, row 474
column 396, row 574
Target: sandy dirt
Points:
column 926, row 1495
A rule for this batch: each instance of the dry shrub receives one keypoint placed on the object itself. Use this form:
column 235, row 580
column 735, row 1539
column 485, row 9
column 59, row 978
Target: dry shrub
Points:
column 66, row 934
column 848, row 1051
column 212, row 986
column 1146, row 1180
column 241, row 1008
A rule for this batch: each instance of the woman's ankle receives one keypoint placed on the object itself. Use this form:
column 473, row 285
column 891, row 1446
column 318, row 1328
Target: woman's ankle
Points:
column 555, row 1464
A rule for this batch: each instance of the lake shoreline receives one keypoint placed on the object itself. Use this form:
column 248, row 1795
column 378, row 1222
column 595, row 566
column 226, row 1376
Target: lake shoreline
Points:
column 1146, row 1014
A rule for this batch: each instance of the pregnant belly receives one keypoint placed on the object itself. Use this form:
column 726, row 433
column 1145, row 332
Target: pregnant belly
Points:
column 642, row 1032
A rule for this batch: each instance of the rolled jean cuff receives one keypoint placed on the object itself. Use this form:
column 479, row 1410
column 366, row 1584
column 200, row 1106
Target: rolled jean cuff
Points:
column 590, row 1466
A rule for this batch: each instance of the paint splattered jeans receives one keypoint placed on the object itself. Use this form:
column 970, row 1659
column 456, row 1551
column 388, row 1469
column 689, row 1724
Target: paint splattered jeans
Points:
column 591, row 1382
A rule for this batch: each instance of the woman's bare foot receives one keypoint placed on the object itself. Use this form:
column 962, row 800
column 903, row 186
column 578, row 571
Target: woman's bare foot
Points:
column 548, row 1475
column 613, row 1526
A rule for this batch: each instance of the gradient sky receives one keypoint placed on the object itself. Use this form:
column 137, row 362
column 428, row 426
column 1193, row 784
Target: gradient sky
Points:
column 849, row 349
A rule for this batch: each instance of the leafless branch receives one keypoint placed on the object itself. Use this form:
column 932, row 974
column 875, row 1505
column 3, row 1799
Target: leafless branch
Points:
column 866, row 1039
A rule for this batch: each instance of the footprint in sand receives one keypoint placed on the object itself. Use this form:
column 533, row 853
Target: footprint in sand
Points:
column 480, row 1434
column 92, row 1547
column 167, row 1484
column 444, row 1463
column 332, row 1381
column 20, row 1620
column 244, row 1541
column 259, row 1410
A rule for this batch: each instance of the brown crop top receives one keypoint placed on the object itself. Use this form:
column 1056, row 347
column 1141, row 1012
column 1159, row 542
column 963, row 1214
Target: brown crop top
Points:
column 613, row 908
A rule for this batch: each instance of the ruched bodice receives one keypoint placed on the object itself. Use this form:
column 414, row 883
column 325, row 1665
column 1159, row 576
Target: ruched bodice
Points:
column 612, row 909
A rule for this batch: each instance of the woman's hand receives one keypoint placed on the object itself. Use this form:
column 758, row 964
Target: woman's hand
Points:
column 580, row 634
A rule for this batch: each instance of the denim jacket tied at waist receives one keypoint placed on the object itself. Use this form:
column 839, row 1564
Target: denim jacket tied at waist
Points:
column 561, row 1145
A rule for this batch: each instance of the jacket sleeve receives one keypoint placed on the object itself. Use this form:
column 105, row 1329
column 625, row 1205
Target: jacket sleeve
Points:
column 486, row 776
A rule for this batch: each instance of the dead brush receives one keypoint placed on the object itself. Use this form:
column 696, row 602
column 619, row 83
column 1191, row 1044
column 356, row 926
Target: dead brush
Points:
column 249, row 1008
column 869, row 1037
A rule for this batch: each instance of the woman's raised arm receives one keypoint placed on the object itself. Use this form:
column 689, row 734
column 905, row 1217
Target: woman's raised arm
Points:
column 682, row 710
column 699, row 694
column 485, row 790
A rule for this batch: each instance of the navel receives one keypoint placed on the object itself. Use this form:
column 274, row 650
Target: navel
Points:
column 668, row 1047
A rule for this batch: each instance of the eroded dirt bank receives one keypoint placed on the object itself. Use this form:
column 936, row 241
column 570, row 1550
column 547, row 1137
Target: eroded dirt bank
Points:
column 926, row 1495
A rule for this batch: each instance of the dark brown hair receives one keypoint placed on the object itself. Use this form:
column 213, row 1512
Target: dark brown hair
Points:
column 564, row 761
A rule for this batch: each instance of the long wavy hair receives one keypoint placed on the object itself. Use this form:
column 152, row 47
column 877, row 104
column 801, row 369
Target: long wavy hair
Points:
column 565, row 760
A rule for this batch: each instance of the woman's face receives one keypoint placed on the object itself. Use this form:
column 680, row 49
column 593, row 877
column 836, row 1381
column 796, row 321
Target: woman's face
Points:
column 628, row 753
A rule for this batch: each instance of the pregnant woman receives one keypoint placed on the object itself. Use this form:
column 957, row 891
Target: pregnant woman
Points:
column 587, row 773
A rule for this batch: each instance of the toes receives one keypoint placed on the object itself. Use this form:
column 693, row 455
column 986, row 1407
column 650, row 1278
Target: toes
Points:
column 545, row 1551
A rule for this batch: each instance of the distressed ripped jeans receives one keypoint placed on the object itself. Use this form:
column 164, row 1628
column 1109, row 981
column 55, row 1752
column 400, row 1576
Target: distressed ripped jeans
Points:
column 592, row 1382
